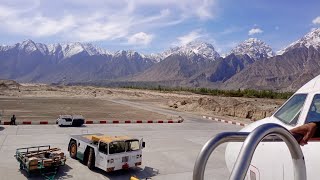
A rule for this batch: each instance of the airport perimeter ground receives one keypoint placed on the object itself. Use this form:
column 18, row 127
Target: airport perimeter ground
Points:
column 170, row 153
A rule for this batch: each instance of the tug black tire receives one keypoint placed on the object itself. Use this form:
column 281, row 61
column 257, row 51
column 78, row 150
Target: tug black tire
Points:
column 91, row 159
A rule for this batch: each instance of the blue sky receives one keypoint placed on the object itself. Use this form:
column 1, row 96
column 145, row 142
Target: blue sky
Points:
column 150, row 26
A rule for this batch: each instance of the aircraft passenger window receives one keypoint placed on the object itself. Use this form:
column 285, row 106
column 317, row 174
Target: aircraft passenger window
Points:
column 314, row 111
column 289, row 113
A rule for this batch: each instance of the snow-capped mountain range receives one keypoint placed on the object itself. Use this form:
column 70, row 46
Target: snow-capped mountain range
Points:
column 254, row 48
column 193, row 63
column 36, row 62
column 310, row 39
column 66, row 50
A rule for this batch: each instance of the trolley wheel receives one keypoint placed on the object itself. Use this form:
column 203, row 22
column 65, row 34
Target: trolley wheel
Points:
column 91, row 159
column 73, row 150
column 28, row 174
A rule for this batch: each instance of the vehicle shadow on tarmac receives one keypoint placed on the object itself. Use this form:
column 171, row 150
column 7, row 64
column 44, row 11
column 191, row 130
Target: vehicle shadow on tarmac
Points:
column 83, row 126
column 1, row 128
column 140, row 173
column 62, row 173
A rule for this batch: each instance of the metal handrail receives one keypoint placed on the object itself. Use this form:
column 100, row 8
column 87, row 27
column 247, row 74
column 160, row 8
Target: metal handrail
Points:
column 267, row 132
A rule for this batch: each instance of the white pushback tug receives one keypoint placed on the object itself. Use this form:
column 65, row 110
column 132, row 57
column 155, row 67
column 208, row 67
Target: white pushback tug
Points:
column 109, row 153
column 70, row 120
column 267, row 149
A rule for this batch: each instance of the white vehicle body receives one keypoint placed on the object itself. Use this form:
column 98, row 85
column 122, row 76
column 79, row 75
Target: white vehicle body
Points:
column 108, row 156
column 70, row 120
column 272, row 160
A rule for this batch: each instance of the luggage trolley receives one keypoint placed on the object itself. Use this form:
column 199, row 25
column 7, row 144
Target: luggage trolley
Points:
column 43, row 159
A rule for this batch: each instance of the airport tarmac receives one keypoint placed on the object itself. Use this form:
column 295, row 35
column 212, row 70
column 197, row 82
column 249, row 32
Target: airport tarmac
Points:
column 170, row 153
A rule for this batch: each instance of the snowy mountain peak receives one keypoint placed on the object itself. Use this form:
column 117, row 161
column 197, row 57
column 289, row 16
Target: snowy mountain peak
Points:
column 28, row 46
column 94, row 50
column 199, row 48
column 27, row 42
column 254, row 48
column 5, row 47
column 199, row 45
column 129, row 54
column 70, row 49
column 191, row 49
column 310, row 39
column 54, row 48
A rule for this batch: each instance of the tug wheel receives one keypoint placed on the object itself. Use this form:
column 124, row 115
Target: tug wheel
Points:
column 73, row 150
column 91, row 159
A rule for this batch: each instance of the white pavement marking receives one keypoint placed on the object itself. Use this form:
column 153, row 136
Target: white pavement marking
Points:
column 3, row 139
column 225, row 121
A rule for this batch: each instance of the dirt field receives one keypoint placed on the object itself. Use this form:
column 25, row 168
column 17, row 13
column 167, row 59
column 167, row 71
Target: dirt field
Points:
column 39, row 101
column 48, row 108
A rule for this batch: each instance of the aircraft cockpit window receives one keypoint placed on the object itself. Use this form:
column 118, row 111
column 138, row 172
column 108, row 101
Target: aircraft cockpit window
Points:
column 314, row 111
column 290, row 112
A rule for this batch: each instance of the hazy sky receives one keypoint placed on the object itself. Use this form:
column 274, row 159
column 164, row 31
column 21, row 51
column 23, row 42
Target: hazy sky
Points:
column 155, row 25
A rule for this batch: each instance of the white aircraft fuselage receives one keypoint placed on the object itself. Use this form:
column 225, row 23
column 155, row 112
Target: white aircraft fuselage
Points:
column 272, row 160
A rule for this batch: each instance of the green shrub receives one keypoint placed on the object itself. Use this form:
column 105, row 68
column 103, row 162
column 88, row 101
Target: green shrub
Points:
column 249, row 93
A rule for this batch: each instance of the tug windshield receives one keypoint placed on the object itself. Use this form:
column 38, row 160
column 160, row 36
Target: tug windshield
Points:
column 132, row 145
column 116, row 147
